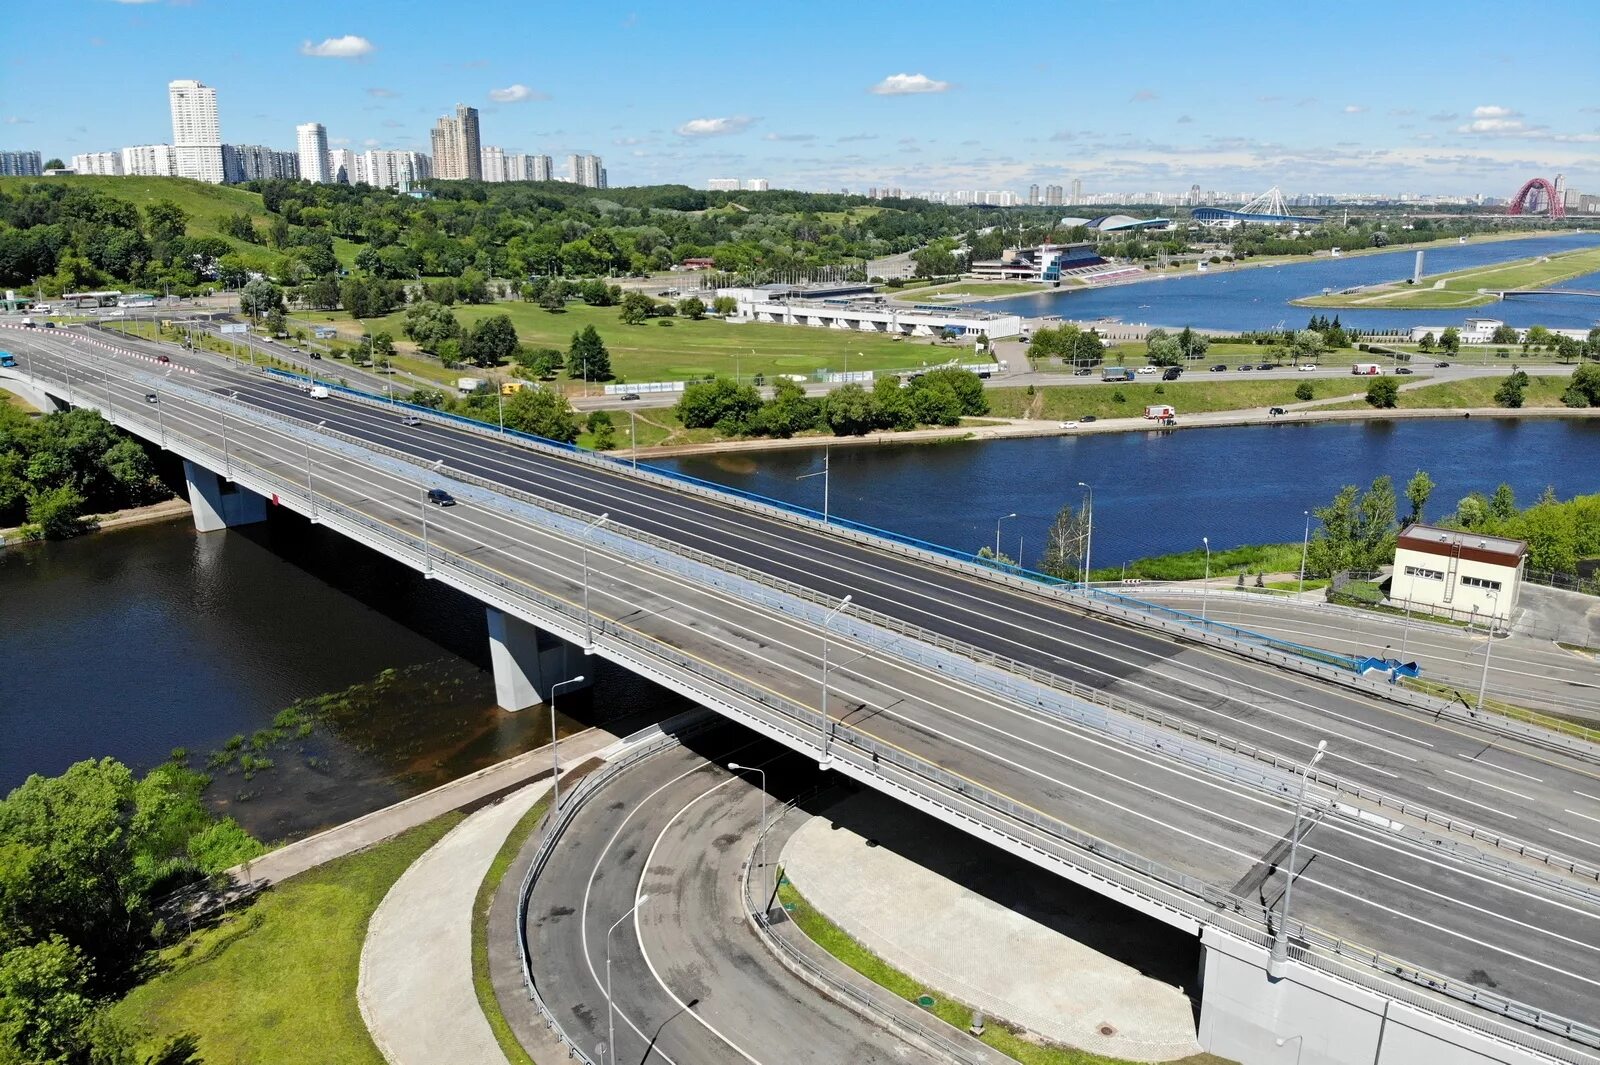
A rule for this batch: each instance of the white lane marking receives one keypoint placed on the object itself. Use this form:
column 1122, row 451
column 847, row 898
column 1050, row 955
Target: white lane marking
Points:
column 1580, row 839
column 1469, row 802
column 1586, row 817
column 1501, row 768
column 1586, row 795
column 649, row 862
column 1486, row 784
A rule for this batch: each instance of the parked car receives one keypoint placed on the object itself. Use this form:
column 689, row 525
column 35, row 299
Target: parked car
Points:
column 49, row 325
column 1243, row 366
column 1267, row 366
column 411, row 419
column 1219, row 367
column 1275, row 411
column 1069, row 425
column 1082, row 371
column 1307, row 367
column 440, row 498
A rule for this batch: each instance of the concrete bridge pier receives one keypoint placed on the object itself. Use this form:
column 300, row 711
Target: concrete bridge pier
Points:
column 220, row 504
column 528, row 661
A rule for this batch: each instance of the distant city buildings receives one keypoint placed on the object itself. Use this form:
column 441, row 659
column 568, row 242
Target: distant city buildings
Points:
column 397, row 169
column 347, row 167
column 457, row 149
column 150, row 160
column 311, row 142
column 1052, row 195
column 195, row 132
column 256, row 162
column 21, row 164
column 492, row 163
column 722, row 184
column 1077, row 191
column 102, row 163
column 586, row 170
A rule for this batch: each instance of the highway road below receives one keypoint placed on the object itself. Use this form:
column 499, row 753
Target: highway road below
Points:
column 691, row 981
column 1355, row 881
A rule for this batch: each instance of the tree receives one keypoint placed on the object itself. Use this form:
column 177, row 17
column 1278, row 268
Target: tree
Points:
column 260, row 296
column 720, row 403
column 1504, row 334
column 725, row 305
column 1383, row 392
column 895, row 409
column 55, row 162
column 967, row 386
column 1418, row 489
column 164, row 221
column 542, row 412
column 1304, row 392
column 540, row 362
column 1308, row 344
column 492, row 341
column 1427, row 342
column 692, row 307
column 45, row 1003
column 790, row 410
column 1450, row 340
column 553, row 298
column 1065, row 542
column 587, row 357
column 57, row 512
column 1164, row 351
column 850, row 411
column 602, row 429
column 636, row 307
column 382, row 346
column 596, row 293
column 1583, row 390
column 1510, row 392
column 276, row 322
column 1503, row 504
column 1538, row 337
column 430, row 325
column 1192, row 344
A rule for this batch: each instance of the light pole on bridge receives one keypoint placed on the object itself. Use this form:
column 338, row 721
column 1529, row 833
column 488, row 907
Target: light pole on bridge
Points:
column 1088, row 540
column 824, row 473
column 1280, row 942
column 588, row 618
column 1205, row 590
column 826, row 759
column 555, row 752
column 997, row 522
column 762, row 835
column 1488, row 644
column 611, row 1012
column 1305, row 546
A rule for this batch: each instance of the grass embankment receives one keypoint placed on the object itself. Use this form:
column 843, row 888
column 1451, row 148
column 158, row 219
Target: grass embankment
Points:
column 206, row 205
column 482, row 983
column 957, row 291
column 1460, row 288
column 11, row 399
column 1542, row 391
column 676, row 349
column 275, row 982
column 1248, row 559
column 1009, row 1041
column 1063, row 402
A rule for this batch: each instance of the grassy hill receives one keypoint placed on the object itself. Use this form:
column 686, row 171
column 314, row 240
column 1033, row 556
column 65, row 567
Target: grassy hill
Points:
column 206, row 205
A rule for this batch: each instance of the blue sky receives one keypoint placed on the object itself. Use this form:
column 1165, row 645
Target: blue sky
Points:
column 1352, row 97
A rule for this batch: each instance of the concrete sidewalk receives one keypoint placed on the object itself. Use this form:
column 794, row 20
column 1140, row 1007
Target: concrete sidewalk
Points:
column 415, row 990
column 865, row 863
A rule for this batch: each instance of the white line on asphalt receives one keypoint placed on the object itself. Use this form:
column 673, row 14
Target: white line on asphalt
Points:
column 1580, row 839
column 1469, row 802
column 1501, row 768
column 1486, row 784
column 1586, row 795
column 1586, row 817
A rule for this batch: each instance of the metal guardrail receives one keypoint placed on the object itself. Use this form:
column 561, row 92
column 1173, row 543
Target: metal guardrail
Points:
column 1154, row 882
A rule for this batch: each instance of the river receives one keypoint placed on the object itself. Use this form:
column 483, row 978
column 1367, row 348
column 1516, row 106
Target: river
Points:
column 1259, row 297
column 133, row 642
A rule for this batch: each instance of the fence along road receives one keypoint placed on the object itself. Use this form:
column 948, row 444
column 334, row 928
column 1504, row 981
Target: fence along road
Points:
column 1360, row 883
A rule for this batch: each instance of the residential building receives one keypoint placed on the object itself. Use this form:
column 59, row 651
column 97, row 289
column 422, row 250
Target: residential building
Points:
column 1033, row 196
column 21, row 164
column 757, row 184
column 1077, row 191
column 98, row 163
column 195, row 132
column 395, row 169
column 346, row 167
column 540, row 168
column 257, row 162
column 1457, row 571
column 492, row 163
column 586, row 170
column 311, row 139
column 722, row 184
column 1052, row 195
column 150, row 160
column 457, row 149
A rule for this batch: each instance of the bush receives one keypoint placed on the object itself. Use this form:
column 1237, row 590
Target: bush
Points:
column 1304, row 392
column 1382, row 392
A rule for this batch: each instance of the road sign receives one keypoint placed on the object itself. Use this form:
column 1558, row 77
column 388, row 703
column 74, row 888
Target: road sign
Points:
column 235, row 327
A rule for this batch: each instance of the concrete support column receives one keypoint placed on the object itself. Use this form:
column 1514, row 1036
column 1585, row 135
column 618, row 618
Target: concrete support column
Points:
column 527, row 661
column 219, row 504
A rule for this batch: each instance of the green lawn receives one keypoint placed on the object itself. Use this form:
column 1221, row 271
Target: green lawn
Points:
column 672, row 349
column 276, row 982
column 1542, row 391
column 1013, row 1043
column 969, row 289
column 1460, row 288
column 1063, row 402
column 1191, row 565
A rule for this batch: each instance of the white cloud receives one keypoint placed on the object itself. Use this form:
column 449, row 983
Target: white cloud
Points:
column 1144, row 96
column 1493, row 111
column 17, row 120
column 382, row 93
column 714, row 127
column 794, row 137
column 1499, row 126
column 1354, row 109
column 371, row 142
column 515, row 94
column 347, row 47
column 908, row 85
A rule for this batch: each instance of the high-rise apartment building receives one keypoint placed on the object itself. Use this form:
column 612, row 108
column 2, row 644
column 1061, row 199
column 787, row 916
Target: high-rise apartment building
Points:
column 21, row 164
column 195, row 132
column 347, row 168
column 150, row 160
column 257, row 162
column 457, row 151
column 757, row 184
column 1052, row 195
column 107, row 163
column 586, row 170
column 1077, row 190
column 540, row 168
column 1033, row 195
column 311, row 140
column 492, row 163
column 722, row 184
column 393, row 169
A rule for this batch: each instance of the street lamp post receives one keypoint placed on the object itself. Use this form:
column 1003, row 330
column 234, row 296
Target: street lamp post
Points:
column 633, row 435
column 427, row 560
column 555, row 752
column 1088, row 540
column 826, row 759
column 1305, row 546
column 1280, row 942
column 611, row 1012
column 1205, row 589
column 1488, row 644
column 588, row 618
column 827, row 464
column 997, row 522
column 737, row 768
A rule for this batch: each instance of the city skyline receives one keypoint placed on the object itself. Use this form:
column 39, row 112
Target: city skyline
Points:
column 894, row 109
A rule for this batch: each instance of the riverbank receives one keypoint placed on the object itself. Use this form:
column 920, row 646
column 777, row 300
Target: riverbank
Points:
column 1020, row 427
column 1462, row 288
column 166, row 510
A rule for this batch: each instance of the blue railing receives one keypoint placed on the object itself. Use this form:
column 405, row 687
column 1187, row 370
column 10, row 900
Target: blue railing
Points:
column 1249, row 636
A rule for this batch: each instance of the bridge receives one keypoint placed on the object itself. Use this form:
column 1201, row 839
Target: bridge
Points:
column 1438, row 911
column 1548, row 292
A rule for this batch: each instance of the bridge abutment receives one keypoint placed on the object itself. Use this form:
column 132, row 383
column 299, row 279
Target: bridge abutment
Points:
column 220, row 504
column 527, row 661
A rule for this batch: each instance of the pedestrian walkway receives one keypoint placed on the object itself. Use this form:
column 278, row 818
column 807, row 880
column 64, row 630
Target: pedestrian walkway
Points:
column 415, row 992
column 865, row 864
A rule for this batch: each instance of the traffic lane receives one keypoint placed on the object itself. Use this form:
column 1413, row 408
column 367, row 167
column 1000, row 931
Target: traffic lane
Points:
column 1306, row 741
column 1521, row 944
column 585, row 890
column 697, row 936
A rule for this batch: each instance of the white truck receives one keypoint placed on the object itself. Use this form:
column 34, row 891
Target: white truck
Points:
column 468, row 385
column 1367, row 369
column 1160, row 411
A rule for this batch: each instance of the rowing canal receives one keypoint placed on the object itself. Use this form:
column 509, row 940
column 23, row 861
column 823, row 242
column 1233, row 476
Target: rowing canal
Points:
column 134, row 642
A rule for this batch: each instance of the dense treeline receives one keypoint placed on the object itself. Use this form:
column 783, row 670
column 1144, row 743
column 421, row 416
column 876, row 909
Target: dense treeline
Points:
column 56, row 469
column 938, row 397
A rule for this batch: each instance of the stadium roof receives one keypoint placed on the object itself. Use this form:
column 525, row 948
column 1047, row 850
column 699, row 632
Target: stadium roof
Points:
column 1219, row 214
column 1111, row 223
